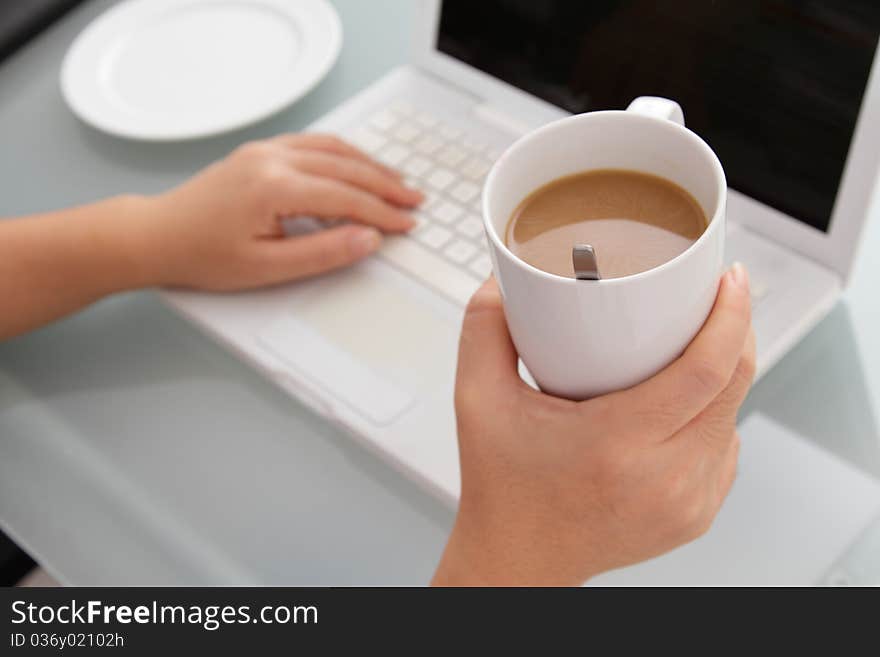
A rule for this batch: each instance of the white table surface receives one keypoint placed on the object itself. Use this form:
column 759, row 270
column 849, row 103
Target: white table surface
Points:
column 135, row 450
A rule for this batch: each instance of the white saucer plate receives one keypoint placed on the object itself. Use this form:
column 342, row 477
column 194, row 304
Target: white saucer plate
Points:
column 163, row 70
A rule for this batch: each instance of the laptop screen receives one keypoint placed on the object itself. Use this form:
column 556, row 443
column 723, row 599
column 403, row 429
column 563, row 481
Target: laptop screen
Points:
column 774, row 86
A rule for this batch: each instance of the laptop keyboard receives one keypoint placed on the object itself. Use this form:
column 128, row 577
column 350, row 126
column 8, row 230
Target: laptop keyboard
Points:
column 447, row 249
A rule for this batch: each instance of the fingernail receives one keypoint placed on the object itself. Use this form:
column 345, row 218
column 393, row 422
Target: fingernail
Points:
column 365, row 240
column 740, row 276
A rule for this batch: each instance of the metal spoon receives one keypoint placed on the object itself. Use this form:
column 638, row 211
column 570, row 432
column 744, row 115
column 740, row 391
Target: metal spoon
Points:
column 586, row 268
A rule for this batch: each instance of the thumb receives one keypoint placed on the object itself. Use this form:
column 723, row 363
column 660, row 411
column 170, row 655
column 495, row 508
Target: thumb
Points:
column 298, row 257
column 486, row 355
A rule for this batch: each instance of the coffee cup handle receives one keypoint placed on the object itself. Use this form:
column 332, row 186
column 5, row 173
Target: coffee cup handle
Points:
column 658, row 108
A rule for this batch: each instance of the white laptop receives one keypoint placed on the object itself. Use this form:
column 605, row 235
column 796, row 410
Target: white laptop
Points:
column 790, row 102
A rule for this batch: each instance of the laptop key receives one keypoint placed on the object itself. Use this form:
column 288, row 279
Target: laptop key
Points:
column 471, row 226
column 460, row 252
column 428, row 144
column 416, row 166
column 431, row 199
column 465, row 192
column 446, row 212
column 407, row 132
column 435, row 236
column 476, row 169
column 440, row 179
column 451, row 156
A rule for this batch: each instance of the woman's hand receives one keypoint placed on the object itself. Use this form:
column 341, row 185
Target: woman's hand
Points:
column 555, row 491
column 221, row 230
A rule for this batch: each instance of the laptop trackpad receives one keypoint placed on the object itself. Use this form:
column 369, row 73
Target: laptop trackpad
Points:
column 364, row 340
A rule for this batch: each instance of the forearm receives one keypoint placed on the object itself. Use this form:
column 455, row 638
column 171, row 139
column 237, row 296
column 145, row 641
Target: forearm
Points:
column 56, row 263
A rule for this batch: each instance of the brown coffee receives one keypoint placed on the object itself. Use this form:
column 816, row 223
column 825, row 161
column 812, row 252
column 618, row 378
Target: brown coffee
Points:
column 634, row 221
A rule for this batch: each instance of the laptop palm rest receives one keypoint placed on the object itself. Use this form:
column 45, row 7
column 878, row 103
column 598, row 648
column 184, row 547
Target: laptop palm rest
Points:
column 363, row 341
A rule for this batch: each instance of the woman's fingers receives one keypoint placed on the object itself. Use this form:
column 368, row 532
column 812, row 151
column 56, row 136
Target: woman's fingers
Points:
column 279, row 260
column 355, row 172
column 716, row 424
column 331, row 144
column 672, row 398
column 330, row 198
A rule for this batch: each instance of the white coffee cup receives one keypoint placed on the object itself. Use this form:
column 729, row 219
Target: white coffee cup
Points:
column 582, row 338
